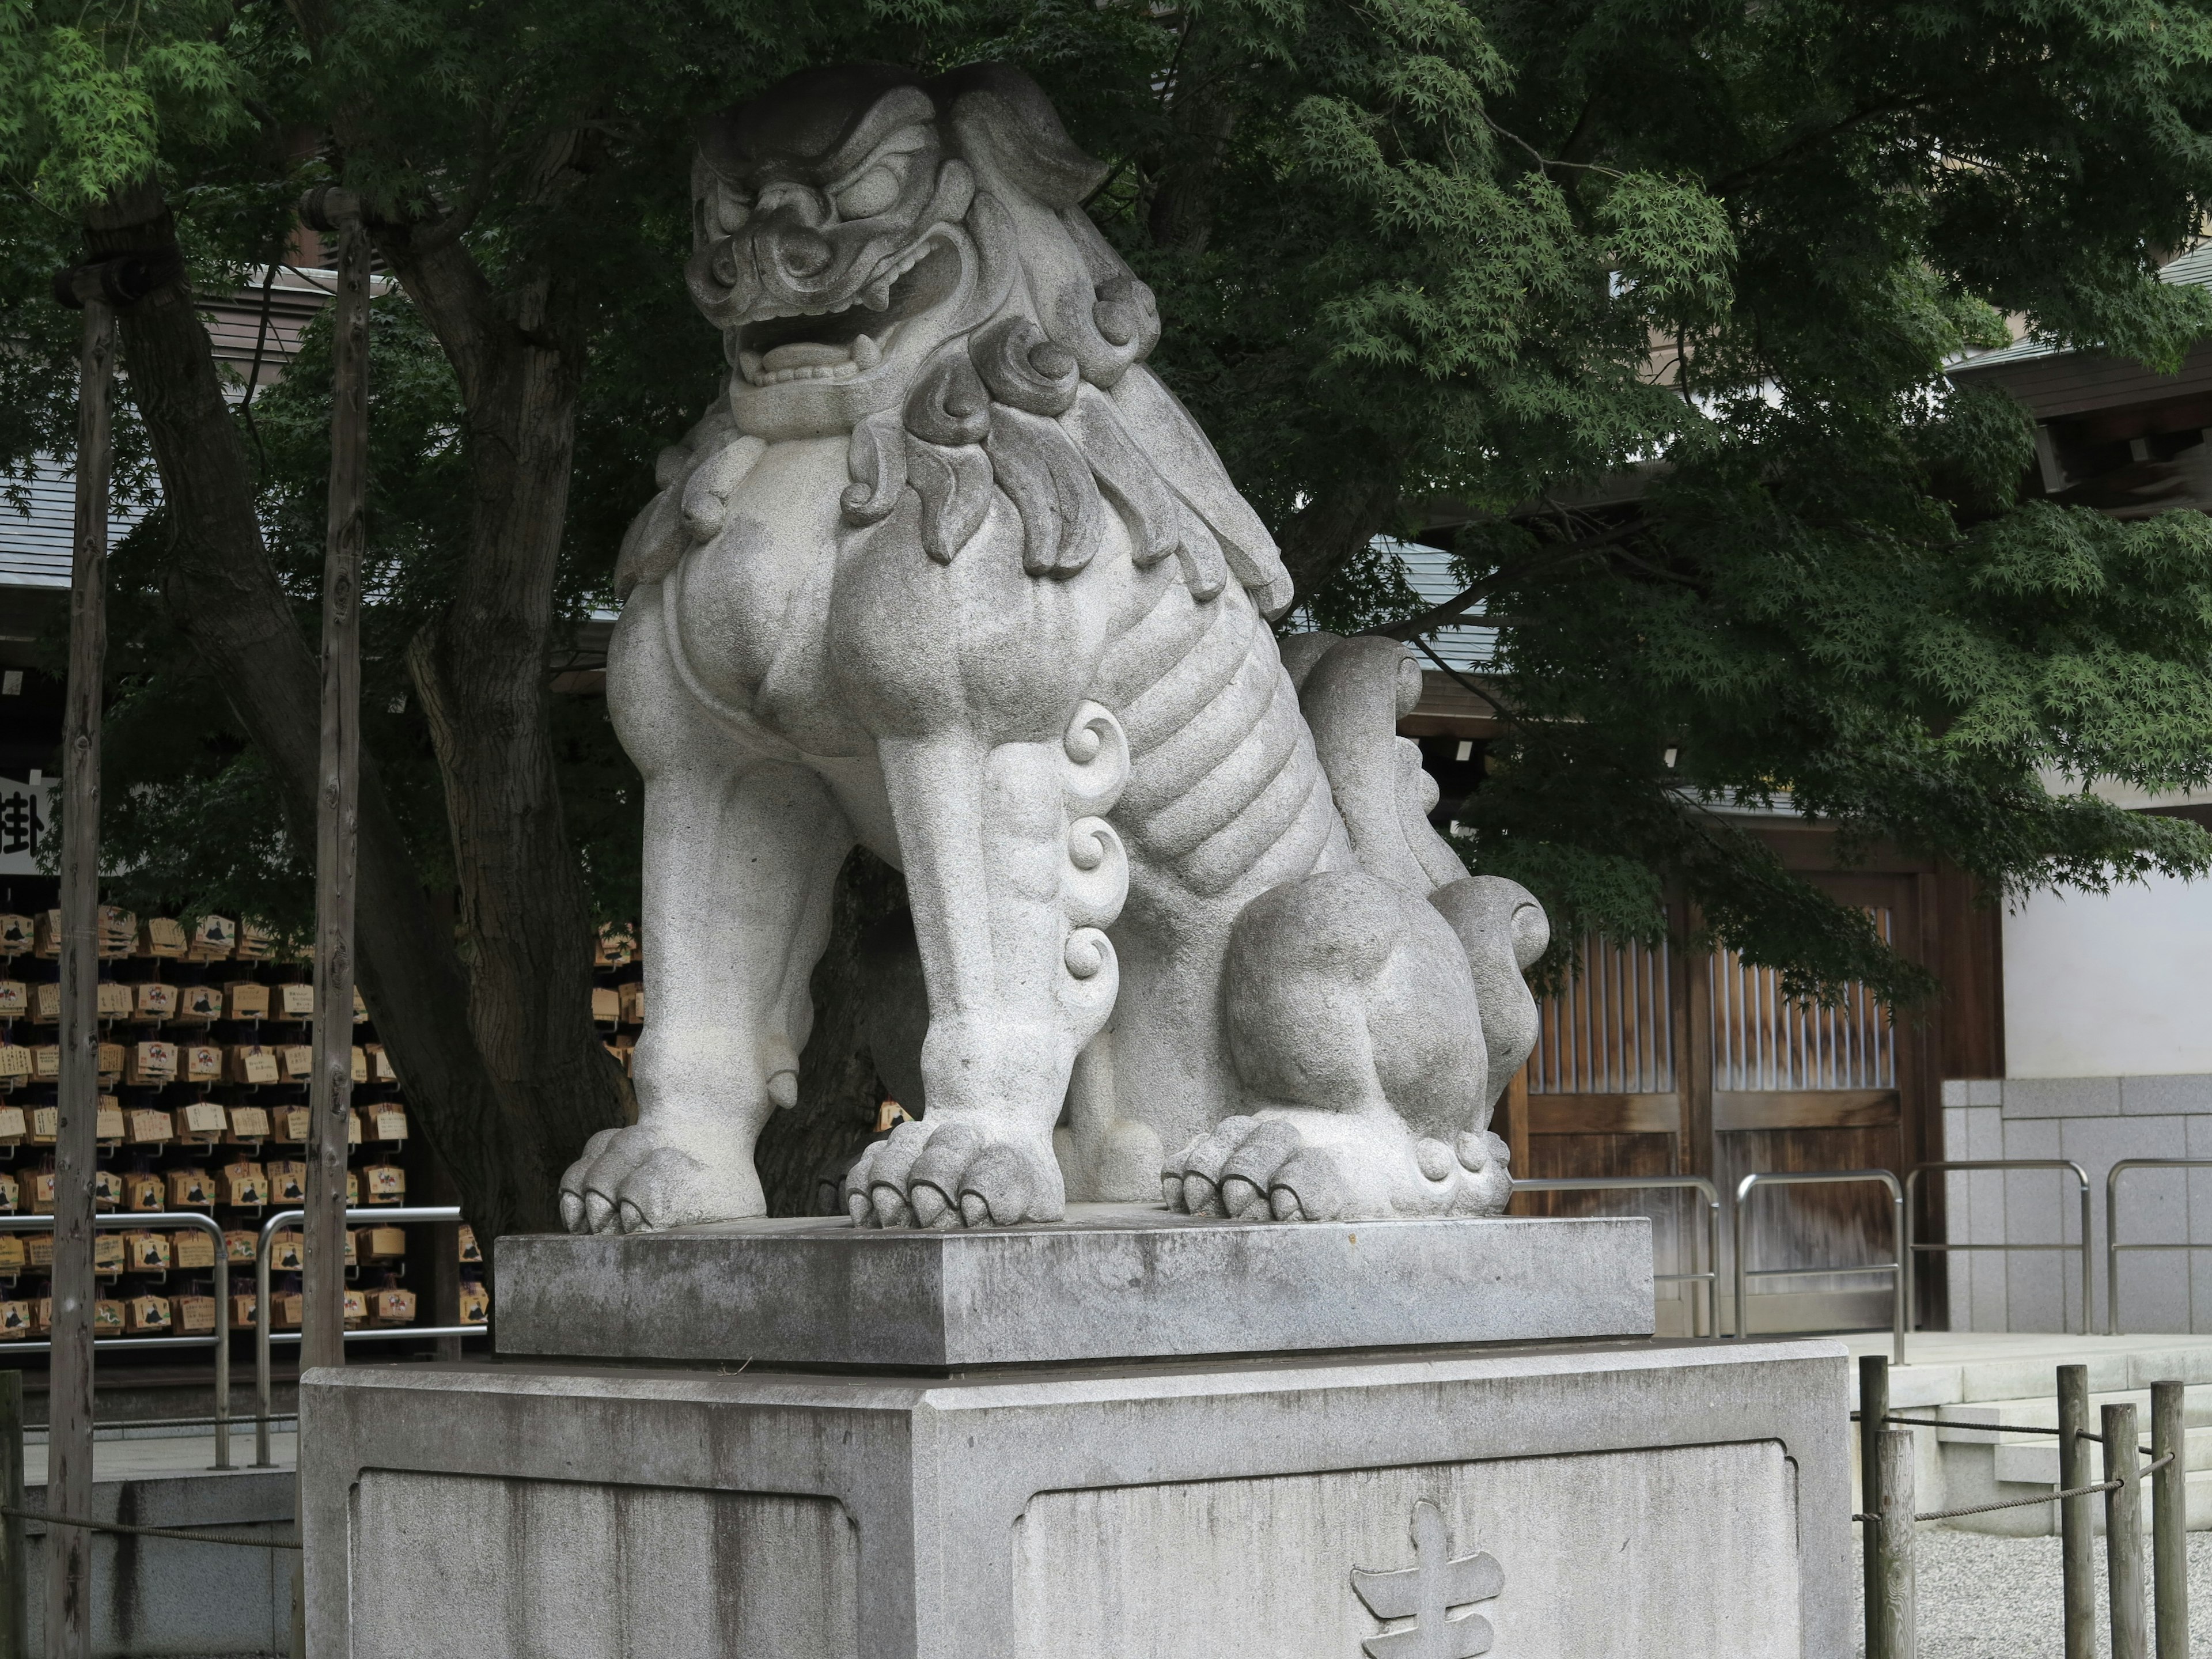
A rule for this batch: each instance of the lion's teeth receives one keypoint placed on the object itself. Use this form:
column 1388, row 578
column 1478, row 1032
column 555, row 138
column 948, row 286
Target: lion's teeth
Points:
column 878, row 298
column 866, row 353
column 749, row 365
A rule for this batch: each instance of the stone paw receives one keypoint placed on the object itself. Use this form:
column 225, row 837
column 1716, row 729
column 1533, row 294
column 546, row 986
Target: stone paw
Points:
column 950, row 1174
column 1296, row 1165
column 636, row 1179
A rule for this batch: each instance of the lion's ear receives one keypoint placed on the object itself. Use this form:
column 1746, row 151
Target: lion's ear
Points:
column 1001, row 116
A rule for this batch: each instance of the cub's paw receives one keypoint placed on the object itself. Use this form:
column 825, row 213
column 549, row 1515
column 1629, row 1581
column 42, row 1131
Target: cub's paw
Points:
column 1296, row 1165
column 636, row 1179
column 953, row 1174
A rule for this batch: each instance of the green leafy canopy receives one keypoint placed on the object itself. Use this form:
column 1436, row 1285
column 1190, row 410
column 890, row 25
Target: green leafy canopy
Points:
column 1423, row 265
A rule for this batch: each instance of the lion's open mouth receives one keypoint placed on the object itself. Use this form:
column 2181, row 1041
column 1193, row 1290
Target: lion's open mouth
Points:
column 777, row 347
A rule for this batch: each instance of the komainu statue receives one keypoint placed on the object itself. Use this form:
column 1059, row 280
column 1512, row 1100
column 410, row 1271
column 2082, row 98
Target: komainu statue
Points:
column 949, row 572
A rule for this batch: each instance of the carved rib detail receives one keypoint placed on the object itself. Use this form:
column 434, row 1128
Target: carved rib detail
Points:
column 1291, row 827
column 1178, row 696
column 1180, row 762
column 1214, row 801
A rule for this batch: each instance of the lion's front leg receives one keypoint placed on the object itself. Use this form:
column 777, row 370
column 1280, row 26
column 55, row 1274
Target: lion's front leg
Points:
column 1013, row 874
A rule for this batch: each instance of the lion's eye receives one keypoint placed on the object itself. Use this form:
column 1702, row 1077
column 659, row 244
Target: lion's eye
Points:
column 869, row 194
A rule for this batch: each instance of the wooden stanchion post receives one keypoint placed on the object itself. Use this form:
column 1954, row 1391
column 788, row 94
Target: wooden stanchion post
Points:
column 2076, row 1520
column 322, row 1336
column 2124, row 1574
column 14, row 1549
column 2169, row 1520
column 1893, row 1542
column 69, row 1435
column 1874, row 1411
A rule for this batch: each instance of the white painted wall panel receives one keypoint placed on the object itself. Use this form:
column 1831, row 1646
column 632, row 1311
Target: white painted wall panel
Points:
column 2110, row 985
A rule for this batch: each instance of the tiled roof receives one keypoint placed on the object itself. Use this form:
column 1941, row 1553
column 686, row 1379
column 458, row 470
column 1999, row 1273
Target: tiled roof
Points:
column 1431, row 573
column 34, row 547
column 2191, row 270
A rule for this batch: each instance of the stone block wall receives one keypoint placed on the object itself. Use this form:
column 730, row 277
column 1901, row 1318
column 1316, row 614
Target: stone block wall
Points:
column 2096, row 1121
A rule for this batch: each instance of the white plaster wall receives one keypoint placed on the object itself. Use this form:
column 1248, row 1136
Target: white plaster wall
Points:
column 2110, row 985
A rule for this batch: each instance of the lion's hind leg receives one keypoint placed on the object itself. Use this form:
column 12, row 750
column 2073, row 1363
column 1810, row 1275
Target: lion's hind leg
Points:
column 1352, row 1022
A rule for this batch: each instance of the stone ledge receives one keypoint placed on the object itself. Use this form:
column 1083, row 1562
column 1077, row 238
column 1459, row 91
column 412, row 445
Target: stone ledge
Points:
column 1111, row 1282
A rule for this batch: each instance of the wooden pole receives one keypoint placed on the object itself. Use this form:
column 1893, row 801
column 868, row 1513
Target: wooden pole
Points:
column 2076, row 1520
column 15, row 1548
column 322, row 1336
column 1893, row 1538
column 1874, row 1411
column 2169, row 1519
column 2123, row 1577
column 69, row 1439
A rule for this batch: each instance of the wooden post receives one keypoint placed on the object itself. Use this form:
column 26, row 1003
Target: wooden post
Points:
column 322, row 1337
column 2123, row 1534
column 1898, row 1634
column 2076, row 1520
column 2169, row 1519
column 69, row 1438
column 14, row 1549
column 1517, row 1125
column 1874, row 1412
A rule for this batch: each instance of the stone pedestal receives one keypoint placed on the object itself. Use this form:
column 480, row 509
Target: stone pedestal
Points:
column 1551, row 1490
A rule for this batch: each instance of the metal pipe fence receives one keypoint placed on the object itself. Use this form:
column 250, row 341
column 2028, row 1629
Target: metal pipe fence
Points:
column 1711, row 1276
column 220, row 1341
column 2113, row 1248
column 264, row 1339
column 2086, row 1246
column 1895, row 1269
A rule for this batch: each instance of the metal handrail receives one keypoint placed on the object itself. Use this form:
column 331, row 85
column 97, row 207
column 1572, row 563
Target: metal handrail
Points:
column 1711, row 1276
column 1744, row 1190
column 2086, row 1248
column 2112, row 1245
column 220, row 1341
column 263, row 1337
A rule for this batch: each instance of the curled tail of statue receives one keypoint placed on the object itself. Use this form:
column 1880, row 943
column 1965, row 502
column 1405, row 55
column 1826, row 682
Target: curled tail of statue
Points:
column 1353, row 692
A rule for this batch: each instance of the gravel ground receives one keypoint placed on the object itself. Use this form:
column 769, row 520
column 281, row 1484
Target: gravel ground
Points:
column 1998, row 1598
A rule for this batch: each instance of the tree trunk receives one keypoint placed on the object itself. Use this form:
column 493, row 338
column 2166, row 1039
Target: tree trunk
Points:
column 1334, row 526
column 223, row 596
column 481, row 672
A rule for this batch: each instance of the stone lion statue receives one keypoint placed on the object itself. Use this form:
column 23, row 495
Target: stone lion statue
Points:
column 949, row 572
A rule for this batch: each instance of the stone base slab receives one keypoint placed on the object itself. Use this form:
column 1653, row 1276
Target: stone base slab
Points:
column 1687, row 1498
column 1114, row 1281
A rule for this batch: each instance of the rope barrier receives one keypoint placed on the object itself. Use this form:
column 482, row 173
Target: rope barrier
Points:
column 1993, row 1428
column 2151, row 1468
column 2022, row 1503
column 150, row 1532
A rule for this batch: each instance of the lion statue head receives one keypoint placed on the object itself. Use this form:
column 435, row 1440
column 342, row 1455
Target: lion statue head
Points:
column 907, row 260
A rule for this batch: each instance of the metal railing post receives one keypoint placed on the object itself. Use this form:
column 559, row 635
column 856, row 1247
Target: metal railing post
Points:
column 15, row 1547
column 262, row 1459
column 2113, row 1246
column 1745, row 1273
column 1873, row 1417
column 2169, row 1520
column 2123, row 1534
column 1892, row 1631
column 1711, row 1278
column 2087, row 1245
column 2076, row 1522
column 222, row 1347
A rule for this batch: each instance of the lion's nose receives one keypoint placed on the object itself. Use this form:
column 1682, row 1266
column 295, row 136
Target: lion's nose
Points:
column 801, row 253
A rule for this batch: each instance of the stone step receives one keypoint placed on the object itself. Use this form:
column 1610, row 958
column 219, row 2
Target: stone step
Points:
column 2115, row 1365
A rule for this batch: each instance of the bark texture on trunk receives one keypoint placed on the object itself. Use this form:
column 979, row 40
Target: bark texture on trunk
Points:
column 505, row 1138
column 1332, row 527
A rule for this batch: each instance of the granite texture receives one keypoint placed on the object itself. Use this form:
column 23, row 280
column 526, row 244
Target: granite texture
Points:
column 1689, row 1499
column 947, row 572
column 1112, row 1281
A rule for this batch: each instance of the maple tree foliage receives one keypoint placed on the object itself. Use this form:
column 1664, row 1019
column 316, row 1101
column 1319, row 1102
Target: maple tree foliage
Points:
column 1421, row 264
